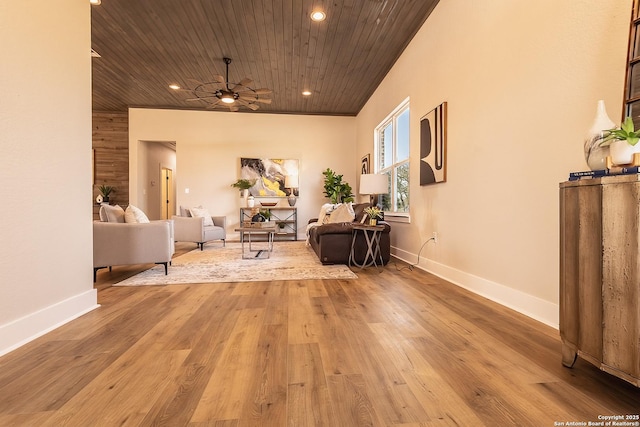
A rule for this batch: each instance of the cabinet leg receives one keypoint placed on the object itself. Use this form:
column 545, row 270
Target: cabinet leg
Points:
column 569, row 355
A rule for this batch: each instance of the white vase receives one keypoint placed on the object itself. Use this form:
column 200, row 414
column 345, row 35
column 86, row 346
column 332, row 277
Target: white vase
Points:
column 250, row 202
column 622, row 153
column 594, row 154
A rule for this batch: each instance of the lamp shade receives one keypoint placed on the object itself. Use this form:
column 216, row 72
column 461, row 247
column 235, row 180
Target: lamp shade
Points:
column 291, row 181
column 372, row 183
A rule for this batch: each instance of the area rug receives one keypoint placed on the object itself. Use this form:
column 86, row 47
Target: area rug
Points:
column 288, row 261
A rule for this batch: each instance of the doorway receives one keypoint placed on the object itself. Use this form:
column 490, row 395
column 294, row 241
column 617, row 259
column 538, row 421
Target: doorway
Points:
column 167, row 202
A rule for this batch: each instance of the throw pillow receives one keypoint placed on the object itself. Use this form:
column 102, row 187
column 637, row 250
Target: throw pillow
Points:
column 185, row 211
column 134, row 215
column 342, row 213
column 110, row 213
column 322, row 216
column 200, row 212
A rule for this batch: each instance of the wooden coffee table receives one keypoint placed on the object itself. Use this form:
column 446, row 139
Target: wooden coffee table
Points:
column 259, row 253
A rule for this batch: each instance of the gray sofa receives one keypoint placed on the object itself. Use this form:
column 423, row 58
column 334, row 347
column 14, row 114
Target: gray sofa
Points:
column 193, row 229
column 116, row 243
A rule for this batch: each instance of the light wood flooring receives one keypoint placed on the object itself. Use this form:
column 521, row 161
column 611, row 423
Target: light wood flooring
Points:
column 397, row 348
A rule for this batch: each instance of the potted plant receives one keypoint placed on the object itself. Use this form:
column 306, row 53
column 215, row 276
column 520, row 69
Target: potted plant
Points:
column 374, row 213
column 336, row 190
column 244, row 185
column 266, row 213
column 105, row 191
column 622, row 142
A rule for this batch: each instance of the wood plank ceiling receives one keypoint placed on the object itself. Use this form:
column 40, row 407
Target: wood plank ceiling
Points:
column 145, row 45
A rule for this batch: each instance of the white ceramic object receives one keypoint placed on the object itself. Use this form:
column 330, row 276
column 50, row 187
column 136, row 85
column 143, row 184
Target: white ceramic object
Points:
column 251, row 202
column 594, row 154
column 622, row 153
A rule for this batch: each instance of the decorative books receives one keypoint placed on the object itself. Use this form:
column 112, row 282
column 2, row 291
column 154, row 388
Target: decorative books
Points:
column 616, row 170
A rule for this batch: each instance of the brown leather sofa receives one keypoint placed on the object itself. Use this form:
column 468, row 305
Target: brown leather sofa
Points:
column 332, row 242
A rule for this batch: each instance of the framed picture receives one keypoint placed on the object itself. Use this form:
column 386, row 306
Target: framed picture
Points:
column 433, row 146
column 270, row 176
column 365, row 166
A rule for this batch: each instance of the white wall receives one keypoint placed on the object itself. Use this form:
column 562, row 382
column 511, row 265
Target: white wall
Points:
column 521, row 80
column 209, row 145
column 45, row 167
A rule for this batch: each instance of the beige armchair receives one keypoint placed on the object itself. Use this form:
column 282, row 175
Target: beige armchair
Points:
column 116, row 243
column 192, row 229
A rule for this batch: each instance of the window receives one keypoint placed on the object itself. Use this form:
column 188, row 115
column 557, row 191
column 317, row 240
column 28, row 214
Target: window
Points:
column 632, row 89
column 392, row 158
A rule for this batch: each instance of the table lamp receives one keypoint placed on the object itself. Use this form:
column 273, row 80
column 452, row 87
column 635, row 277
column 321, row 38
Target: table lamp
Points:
column 291, row 182
column 374, row 184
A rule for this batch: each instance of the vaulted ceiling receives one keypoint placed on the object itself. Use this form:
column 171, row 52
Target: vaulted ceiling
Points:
column 146, row 45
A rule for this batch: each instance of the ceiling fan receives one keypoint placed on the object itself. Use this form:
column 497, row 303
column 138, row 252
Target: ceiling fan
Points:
column 220, row 92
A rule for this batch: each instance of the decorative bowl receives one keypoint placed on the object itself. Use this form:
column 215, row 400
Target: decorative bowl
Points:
column 268, row 204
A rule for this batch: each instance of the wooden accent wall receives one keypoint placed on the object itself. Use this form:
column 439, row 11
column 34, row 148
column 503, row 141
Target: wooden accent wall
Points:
column 111, row 155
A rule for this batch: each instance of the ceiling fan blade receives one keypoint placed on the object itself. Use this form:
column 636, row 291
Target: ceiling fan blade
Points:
column 263, row 100
column 201, row 98
column 247, row 104
column 239, row 89
column 245, row 82
column 263, row 91
column 250, row 96
column 233, row 108
column 247, row 95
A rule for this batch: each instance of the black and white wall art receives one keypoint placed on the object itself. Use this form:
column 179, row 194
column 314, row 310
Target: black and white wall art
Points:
column 433, row 146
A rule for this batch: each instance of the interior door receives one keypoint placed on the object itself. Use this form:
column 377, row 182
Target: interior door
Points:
column 167, row 202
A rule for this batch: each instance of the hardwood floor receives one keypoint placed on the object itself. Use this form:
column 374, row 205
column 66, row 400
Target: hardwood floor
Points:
column 397, row 348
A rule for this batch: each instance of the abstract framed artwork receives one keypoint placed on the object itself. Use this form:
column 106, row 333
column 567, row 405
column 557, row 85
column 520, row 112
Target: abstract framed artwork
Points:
column 365, row 164
column 433, row 146
column 270, row 175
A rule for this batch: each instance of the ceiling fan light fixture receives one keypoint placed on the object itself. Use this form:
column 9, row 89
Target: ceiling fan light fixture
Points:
column 318, row 15
column 227, row 98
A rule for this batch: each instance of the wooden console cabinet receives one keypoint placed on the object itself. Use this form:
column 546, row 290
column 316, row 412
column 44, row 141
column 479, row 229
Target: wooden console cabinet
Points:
column 600, row 274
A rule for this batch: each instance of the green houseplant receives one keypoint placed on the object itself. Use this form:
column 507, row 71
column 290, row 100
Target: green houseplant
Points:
column 622, row 142
column 374, row 213
column 244, row 184
column 105, row 191
column 336, row 190
column 626, row 132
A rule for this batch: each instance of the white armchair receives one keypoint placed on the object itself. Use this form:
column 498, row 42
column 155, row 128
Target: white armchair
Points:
column 116, row 243
column 192, row 229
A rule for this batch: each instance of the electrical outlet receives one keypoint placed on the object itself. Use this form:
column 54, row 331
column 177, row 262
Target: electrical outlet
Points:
column 435, row 237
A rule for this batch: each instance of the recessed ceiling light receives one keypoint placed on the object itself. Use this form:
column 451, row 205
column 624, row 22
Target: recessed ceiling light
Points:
column 318, row 15
column 306, row 93
column 95, row 2
column 174, row 86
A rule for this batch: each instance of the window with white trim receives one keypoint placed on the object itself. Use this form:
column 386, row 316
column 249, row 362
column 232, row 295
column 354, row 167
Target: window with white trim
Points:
column 392, row 158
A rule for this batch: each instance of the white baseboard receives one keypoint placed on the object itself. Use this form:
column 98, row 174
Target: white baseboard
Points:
column 529, row 305
column 20, row 331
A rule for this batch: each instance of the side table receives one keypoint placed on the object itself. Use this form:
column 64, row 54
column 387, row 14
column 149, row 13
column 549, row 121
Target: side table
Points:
column 372, row 234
